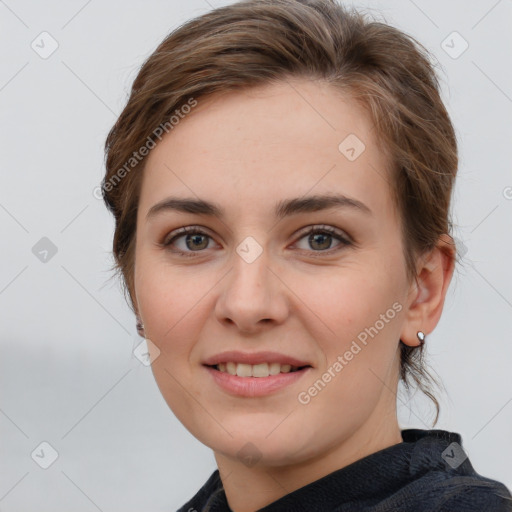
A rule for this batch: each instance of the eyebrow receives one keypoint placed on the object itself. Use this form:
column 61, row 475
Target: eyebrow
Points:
column 284, row 208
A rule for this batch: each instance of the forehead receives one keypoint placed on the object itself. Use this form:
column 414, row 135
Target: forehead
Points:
column 275, row 140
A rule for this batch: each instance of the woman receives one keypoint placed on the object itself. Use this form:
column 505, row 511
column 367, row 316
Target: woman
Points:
column 281, row 179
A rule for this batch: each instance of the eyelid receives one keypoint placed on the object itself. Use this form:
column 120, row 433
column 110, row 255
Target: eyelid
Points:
column 323, row 228
column 169, row 239
column 185, row 230
column 344, row 239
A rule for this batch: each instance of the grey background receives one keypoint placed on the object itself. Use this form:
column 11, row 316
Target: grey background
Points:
column 68, row 374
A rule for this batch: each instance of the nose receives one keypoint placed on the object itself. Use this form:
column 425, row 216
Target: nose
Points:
column 252, row 297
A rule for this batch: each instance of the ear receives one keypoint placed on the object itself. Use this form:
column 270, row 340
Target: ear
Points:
column 139, row 324
column 427, row 293
column 140, row 328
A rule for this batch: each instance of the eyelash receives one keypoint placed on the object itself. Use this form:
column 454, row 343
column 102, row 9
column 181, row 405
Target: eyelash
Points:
column 191, row 230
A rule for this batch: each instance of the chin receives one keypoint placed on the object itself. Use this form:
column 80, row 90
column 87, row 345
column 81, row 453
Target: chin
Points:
column 271, row 445
column 260, row 452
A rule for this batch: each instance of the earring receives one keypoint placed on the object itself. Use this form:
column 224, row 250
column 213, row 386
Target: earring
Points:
column 140, row 328
column 421, row 337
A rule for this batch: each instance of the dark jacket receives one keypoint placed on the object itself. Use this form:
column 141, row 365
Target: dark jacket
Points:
column 428, row 472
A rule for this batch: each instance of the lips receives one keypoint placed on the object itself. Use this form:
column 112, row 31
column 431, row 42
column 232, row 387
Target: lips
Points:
column 253, row 387
column 254, row 358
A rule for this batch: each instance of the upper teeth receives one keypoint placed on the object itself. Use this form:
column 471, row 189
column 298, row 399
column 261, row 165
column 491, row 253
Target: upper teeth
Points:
column 255, row 370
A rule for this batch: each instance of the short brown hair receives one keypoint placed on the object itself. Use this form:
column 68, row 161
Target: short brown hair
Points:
column 258, row 42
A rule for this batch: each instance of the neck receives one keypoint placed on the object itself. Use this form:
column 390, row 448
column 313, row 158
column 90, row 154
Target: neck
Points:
column 250, row 488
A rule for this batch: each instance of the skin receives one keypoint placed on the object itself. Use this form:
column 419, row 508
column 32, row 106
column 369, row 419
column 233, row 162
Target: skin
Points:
column 246, row 151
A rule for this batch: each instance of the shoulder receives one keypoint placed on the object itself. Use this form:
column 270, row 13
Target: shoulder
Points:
column 473, row 493
column 445, row 492
column 210, row 491
column 445, row 480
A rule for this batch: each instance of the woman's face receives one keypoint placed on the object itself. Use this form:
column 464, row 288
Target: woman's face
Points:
column 254, row 279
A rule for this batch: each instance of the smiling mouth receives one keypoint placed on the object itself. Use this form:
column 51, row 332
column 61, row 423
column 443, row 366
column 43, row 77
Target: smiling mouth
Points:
column 256, row 370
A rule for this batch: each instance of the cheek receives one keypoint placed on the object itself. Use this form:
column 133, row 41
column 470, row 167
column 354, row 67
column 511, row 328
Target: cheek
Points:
column 174, row 308
column 355, row 316
column 344, row 301
column 364, row 316
column 170, row 303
